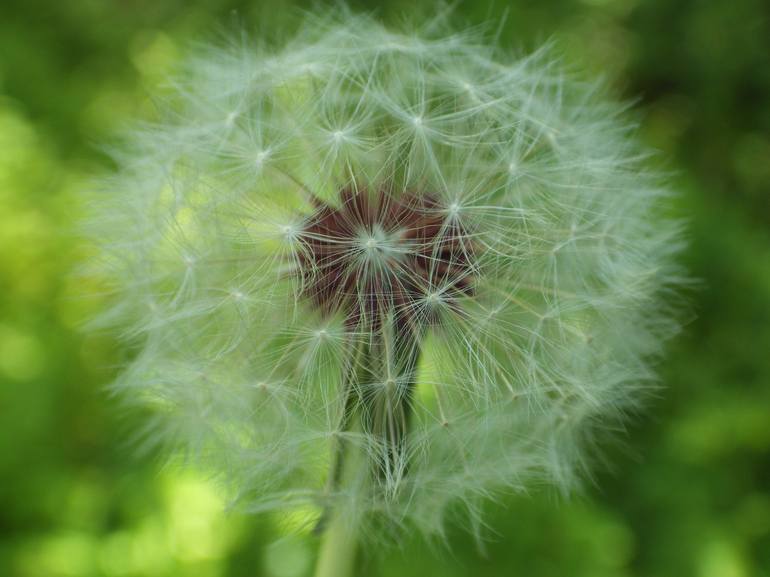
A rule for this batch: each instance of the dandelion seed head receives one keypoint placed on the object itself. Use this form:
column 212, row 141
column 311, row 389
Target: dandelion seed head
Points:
column 458, row 269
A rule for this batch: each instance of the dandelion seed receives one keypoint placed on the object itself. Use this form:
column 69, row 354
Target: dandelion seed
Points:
column 260, row 158
column 338, row 136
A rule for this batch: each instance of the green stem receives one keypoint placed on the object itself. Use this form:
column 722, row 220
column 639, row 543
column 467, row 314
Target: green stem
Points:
column 388, row 358
column 338, row 550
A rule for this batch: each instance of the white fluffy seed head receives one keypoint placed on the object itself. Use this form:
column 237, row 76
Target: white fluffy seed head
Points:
column 203, row 229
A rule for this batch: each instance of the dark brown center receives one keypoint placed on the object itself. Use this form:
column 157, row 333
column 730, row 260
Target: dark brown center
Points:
column 375, row 255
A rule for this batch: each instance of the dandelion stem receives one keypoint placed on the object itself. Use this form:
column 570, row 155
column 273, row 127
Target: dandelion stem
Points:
column 385, row 356
column 387, row 412
column 337, row 555
column 350, row 394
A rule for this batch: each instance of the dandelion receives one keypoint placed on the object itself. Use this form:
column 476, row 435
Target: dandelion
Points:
column 378, row 277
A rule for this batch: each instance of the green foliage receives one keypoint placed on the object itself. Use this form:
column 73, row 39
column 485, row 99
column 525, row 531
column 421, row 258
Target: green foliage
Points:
column 688, row 493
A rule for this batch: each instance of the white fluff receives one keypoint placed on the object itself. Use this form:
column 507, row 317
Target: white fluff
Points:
column 200, row 230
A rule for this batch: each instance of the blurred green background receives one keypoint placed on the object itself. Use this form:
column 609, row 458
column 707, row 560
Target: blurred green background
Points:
column 689, row 489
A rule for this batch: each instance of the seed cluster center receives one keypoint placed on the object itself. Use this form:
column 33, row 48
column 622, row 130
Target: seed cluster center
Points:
column 375, row 254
